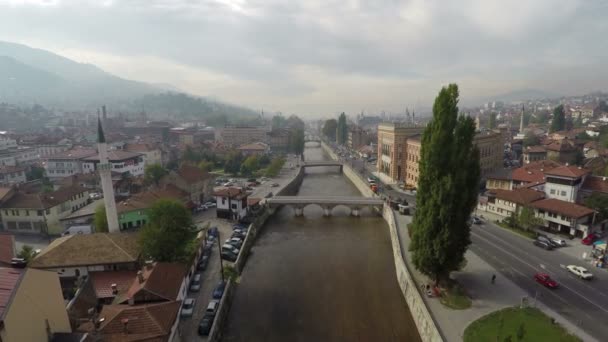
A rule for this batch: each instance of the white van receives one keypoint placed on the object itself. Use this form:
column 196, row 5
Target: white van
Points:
column 85, row 229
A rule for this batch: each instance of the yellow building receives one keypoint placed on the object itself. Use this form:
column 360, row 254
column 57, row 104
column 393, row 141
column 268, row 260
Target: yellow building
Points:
column 31, row 305
column 392, row 141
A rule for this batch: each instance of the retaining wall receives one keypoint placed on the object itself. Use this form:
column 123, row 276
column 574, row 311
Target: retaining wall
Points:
column 360, row 183
column 222, row 312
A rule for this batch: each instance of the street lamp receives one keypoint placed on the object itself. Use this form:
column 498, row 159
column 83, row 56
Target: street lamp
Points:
column 219, row 247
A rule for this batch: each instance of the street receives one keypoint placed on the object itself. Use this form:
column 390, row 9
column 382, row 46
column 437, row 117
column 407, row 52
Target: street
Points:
column 584, row 303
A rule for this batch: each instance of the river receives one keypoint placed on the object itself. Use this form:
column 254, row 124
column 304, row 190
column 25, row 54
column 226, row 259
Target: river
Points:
column 314, row 278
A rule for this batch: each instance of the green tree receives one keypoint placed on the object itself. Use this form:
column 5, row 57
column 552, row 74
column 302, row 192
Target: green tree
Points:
column 206, row 166
column 36, row 172
column 191, row 155
column 492, row 121
column 250, row 165
column 521, row 332
column 447, row 189
column 278, row 121
column 342, row 130
column 542, row 117
column 153, row 173
column 275, row 166
column 329, row 129
column 577, row 123
column 598, row 202
column 169, row 234
column 526, row 219
column 100, row 220
column 26, row 253
column 296, row 141
column 530, row 139
column 293, row 121
column 232, row 164
column 558, row 123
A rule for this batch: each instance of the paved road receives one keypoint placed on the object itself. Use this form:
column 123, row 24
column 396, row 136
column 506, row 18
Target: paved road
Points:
column 584, row 303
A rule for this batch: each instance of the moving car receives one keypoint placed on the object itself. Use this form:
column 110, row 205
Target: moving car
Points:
column 543, row 244
column 218, row 292
column 544, row 279
column 590, row 239
column 476, row 220
column 559, row 242
column 580, row 272
column 547, row 240
column 210, row 204
column 188, row 307
column 204, row 326
column 195, row 283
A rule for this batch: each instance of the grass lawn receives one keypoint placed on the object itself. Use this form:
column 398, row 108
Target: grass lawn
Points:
column 524, row 233
column 455, row 297
column 537, row 327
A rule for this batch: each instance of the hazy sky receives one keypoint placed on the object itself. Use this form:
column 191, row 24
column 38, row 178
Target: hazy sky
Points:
column 324, row 56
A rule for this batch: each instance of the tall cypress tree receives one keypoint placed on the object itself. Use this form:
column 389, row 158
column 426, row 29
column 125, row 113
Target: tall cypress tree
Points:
column 447, row 189
column 342, row 129
column 558, row 123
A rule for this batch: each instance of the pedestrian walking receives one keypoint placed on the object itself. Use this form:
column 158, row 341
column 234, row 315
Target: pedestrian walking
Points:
column 493, row 278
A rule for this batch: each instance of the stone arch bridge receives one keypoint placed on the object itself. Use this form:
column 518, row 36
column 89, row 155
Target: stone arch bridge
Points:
column 355, row 204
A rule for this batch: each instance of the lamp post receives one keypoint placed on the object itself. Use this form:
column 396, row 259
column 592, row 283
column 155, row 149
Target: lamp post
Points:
column 219, row 247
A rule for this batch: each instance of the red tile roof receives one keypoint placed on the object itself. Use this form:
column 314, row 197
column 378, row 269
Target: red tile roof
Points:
column 560, row 146
column 7, row 248
column 231, row 192
column 535, row 149
column 102, row 282
column 570, row 171
column 76, row 153
column 534, row 172
column 161, row 280
column 43, row 200
column 11, row 169
column 9, row 281
column 521, row 196
column 563, row 208
column 192, row 174
column 115, row 155
column 147, row 322
column 596, row 184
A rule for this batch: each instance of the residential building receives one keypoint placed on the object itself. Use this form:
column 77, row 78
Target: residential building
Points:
column 490, row 146
column 564, row 182
column 187, row 136
column 562, row 151
column 533, row 173
column 7, row 142
column 278, row 139
column 12, row 175
column 156, row 282
column 120, row 161
column 73, row 256
column 7, row 249
column 67, row 163
column 254, row 149
column 392, row 143
column 191, row 179
column 565, row 217
column 46, row 147
column 591, row 185
column 534, row 153
column 500, row 180
column 26, row 156
column 507, row 203
column 152, row 155
column 357, row 137
column 231, row 203
column 31, row 305
column 412, row 159
column 240, row 135
column 40, row 213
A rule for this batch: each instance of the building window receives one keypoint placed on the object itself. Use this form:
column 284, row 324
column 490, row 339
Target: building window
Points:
column 48, row 211
column 563, row 193
column 552, row 191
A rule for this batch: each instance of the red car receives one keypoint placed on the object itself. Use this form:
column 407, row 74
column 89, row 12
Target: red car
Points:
column 591, row 238
column 544, row 279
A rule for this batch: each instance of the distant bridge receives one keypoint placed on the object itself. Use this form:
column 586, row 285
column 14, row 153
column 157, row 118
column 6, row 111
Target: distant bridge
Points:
column 327, row 203
column 322, row 163
column 312, row 138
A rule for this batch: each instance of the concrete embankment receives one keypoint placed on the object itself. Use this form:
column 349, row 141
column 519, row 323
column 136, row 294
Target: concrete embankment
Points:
column 426, row 325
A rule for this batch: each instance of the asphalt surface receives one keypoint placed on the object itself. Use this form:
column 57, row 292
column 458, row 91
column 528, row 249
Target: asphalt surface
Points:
column 584, row 303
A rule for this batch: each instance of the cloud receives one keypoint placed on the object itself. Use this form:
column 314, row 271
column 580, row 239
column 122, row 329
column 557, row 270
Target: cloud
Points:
column 323, row 56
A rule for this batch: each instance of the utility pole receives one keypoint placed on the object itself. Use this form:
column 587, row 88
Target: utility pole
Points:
column 219, row 247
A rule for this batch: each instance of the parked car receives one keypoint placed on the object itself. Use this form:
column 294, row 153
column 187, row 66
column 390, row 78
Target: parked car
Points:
column 211, row 204
column 228, row 184
column 203, row 262
column 236, row 242
column 239, row 234
column 204, row 326
column 188, row 307
column 240, row 226
column 73, row 230
column 207, row 250
column 580, row 272
column 547, row 240
column 230, row 248
column 218, row 292
column 274, row 185
column 476, row 220
column 212, row 307
column 559, row 242
column 543, row 244
column 590, row 239
column 544, row 279
column 213, row 231
column 229, row 256
column 195, row 283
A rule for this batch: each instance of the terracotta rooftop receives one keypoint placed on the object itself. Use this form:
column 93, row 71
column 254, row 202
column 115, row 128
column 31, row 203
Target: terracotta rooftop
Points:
column 43, row 200
column 88, row 249
column 139, row 148
column 161, row 280
column 523, row 196
column 501, row 174
column 9, row 281
column 146, row 199
column 147, row 322
column 7, row 248
column 595, row 184
column 4, row 193
column 534, row 172
column 115, row 155
column 535, row 149
column 567, row 171
column 231, row 192
column 257, row 146
column 560, row 146
column 11, row 169
column 192, row 174
column 76, row 153
column 562, row 207
column 102, row 282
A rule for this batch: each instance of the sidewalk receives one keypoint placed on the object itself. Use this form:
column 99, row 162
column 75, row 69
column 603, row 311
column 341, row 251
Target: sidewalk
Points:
column 486, row 298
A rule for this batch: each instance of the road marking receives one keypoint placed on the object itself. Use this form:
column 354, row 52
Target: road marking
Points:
column 534, row 268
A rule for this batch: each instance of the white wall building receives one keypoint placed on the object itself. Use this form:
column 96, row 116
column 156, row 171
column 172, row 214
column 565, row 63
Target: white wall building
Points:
column 564, row 182
column 121, row 161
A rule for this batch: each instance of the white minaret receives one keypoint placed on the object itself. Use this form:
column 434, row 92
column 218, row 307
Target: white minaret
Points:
column 105, row 173
column 521, row 121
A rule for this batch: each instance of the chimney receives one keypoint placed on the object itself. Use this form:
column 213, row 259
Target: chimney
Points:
column 140, row 276
column 114, row 289
column 125, row 325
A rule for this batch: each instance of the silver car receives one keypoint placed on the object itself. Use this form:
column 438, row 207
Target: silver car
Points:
column 188, row 307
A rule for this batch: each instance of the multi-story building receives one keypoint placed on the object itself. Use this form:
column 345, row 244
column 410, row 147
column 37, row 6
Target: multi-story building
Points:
column 399, row 152
column 564, row 182
column 6, row 142
column 357, row 137
column 562, row 151
column 49, row 148
column 121, row 161
column 278, row 139
column 40, row 213
column 31, row 305
column 152, row 154
column 67, row 163
column 240, row 135
column 534, row 153
column 12, row 175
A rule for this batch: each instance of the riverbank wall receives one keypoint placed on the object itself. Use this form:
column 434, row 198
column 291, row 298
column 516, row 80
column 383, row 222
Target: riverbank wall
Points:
column 426, row 325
